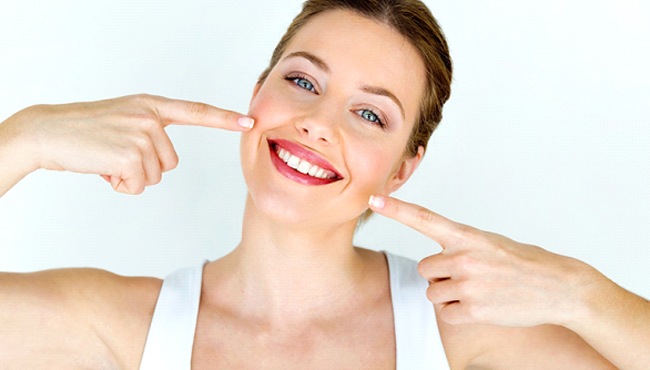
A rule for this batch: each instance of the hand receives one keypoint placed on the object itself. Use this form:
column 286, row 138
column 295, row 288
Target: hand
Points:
column 481, row 277
column 122, row 139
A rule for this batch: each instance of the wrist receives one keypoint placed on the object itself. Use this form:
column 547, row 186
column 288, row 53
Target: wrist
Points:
column 19, row 151
column 592, row 294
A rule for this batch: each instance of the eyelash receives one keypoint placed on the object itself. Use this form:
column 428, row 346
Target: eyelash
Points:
column 375, row 119
column 296, row 80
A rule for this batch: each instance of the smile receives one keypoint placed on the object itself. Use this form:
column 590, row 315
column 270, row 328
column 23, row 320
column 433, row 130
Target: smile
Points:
column 301, row 165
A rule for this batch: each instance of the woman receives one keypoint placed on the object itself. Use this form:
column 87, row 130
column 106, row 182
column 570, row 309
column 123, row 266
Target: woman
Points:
column 338, row 124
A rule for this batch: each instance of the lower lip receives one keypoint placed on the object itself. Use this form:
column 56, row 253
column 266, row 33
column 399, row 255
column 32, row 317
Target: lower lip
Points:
column 293, row 174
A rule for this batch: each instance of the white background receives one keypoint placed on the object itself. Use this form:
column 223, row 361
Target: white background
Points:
column 546, row 138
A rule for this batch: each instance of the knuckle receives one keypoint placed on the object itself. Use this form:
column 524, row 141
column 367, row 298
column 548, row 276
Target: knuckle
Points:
column 463, row 260
column 155, row 178
column 423, row 216
column 149, row 123
column 228, row 115
column 139, row 99
column 471, row 266
column 465, row 288
column 467, row 258
column 145, row 98
column 422, row 267
column 467, row 235
column 465, row 232
column 431, row 293
column 143, row 120
column 198, row 109
column 224, row 118
column 172, row 162
column 142, row 141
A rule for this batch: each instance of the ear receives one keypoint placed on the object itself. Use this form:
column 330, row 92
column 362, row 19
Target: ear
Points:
column 404, row 171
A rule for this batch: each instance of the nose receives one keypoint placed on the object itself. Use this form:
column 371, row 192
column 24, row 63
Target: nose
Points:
column 319, row 125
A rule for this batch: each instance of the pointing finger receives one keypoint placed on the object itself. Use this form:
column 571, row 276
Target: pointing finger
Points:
column 442, row 230
column 181, row 112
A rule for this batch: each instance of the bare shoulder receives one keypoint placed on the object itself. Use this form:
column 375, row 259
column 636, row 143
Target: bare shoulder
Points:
column 75, row 318
column 540, row 347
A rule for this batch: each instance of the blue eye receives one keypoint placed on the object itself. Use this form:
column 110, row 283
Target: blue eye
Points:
column 371, row 116
column 302, row 83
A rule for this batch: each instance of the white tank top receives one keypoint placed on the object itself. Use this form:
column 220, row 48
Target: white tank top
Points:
column 171, row 335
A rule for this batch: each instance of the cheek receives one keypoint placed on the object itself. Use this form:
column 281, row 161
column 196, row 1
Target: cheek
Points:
column 372, row 168
column 272, row 107
column 264, row 109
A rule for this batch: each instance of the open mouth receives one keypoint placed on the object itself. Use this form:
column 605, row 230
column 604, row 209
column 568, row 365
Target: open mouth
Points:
column 301, row 165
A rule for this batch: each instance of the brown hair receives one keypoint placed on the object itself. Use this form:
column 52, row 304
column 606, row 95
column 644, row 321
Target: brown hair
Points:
column 413, row 20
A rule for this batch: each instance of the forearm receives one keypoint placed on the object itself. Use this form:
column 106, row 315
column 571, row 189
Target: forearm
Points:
column 616, row 323
column 16, row 160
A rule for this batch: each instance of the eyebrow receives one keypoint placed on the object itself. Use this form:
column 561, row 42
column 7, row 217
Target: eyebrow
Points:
column 318, row 62
column 375, row 90
column 383, row 92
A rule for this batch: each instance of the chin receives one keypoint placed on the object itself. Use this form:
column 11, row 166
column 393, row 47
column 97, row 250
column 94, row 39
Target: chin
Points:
column 288, row 210
column 282, row 210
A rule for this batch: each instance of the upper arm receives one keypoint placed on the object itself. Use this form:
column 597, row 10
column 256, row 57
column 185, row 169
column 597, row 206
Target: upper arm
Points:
column 72, row 316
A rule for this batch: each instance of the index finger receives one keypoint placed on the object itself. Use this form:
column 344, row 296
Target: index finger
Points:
column 441, row 229
column 182, row 112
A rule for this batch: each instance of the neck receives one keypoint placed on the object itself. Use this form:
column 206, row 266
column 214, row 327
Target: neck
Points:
column 285, row 272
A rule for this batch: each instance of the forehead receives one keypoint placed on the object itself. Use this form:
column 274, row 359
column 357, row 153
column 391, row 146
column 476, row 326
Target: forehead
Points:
column 362, row 51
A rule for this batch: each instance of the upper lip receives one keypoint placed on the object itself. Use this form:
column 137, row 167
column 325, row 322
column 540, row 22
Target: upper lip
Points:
column 303, row 153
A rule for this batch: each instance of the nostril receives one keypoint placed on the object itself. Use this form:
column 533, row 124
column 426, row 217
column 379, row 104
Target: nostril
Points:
column 315, row 131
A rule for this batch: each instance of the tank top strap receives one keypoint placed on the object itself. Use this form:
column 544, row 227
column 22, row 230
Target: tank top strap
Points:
column 171, row 335
column 417, row 339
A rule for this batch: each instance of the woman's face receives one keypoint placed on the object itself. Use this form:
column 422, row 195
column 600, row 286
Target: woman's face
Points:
column 332, row 121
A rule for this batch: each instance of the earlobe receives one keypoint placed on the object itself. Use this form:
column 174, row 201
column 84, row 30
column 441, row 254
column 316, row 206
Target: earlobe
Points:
column 405, row 170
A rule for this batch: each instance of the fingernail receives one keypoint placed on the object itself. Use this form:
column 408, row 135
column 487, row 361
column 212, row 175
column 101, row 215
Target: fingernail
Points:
column 377, row 201
column 245, row 122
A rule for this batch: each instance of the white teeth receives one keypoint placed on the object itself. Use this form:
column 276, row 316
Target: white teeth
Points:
column 303, row 166
column 293, row 162
column 284, row 155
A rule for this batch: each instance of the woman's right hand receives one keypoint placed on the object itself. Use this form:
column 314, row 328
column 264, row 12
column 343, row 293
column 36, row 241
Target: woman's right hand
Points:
column 121, row 139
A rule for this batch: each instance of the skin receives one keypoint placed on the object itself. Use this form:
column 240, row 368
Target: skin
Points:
column 87, row 318
column 257, row 307
column 322, row 321
column 520, row 306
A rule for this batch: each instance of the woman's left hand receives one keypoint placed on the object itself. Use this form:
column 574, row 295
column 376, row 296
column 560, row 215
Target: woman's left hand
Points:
column 481, row 277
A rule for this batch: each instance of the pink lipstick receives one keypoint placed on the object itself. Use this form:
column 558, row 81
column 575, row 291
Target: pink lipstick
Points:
column 299, row 164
